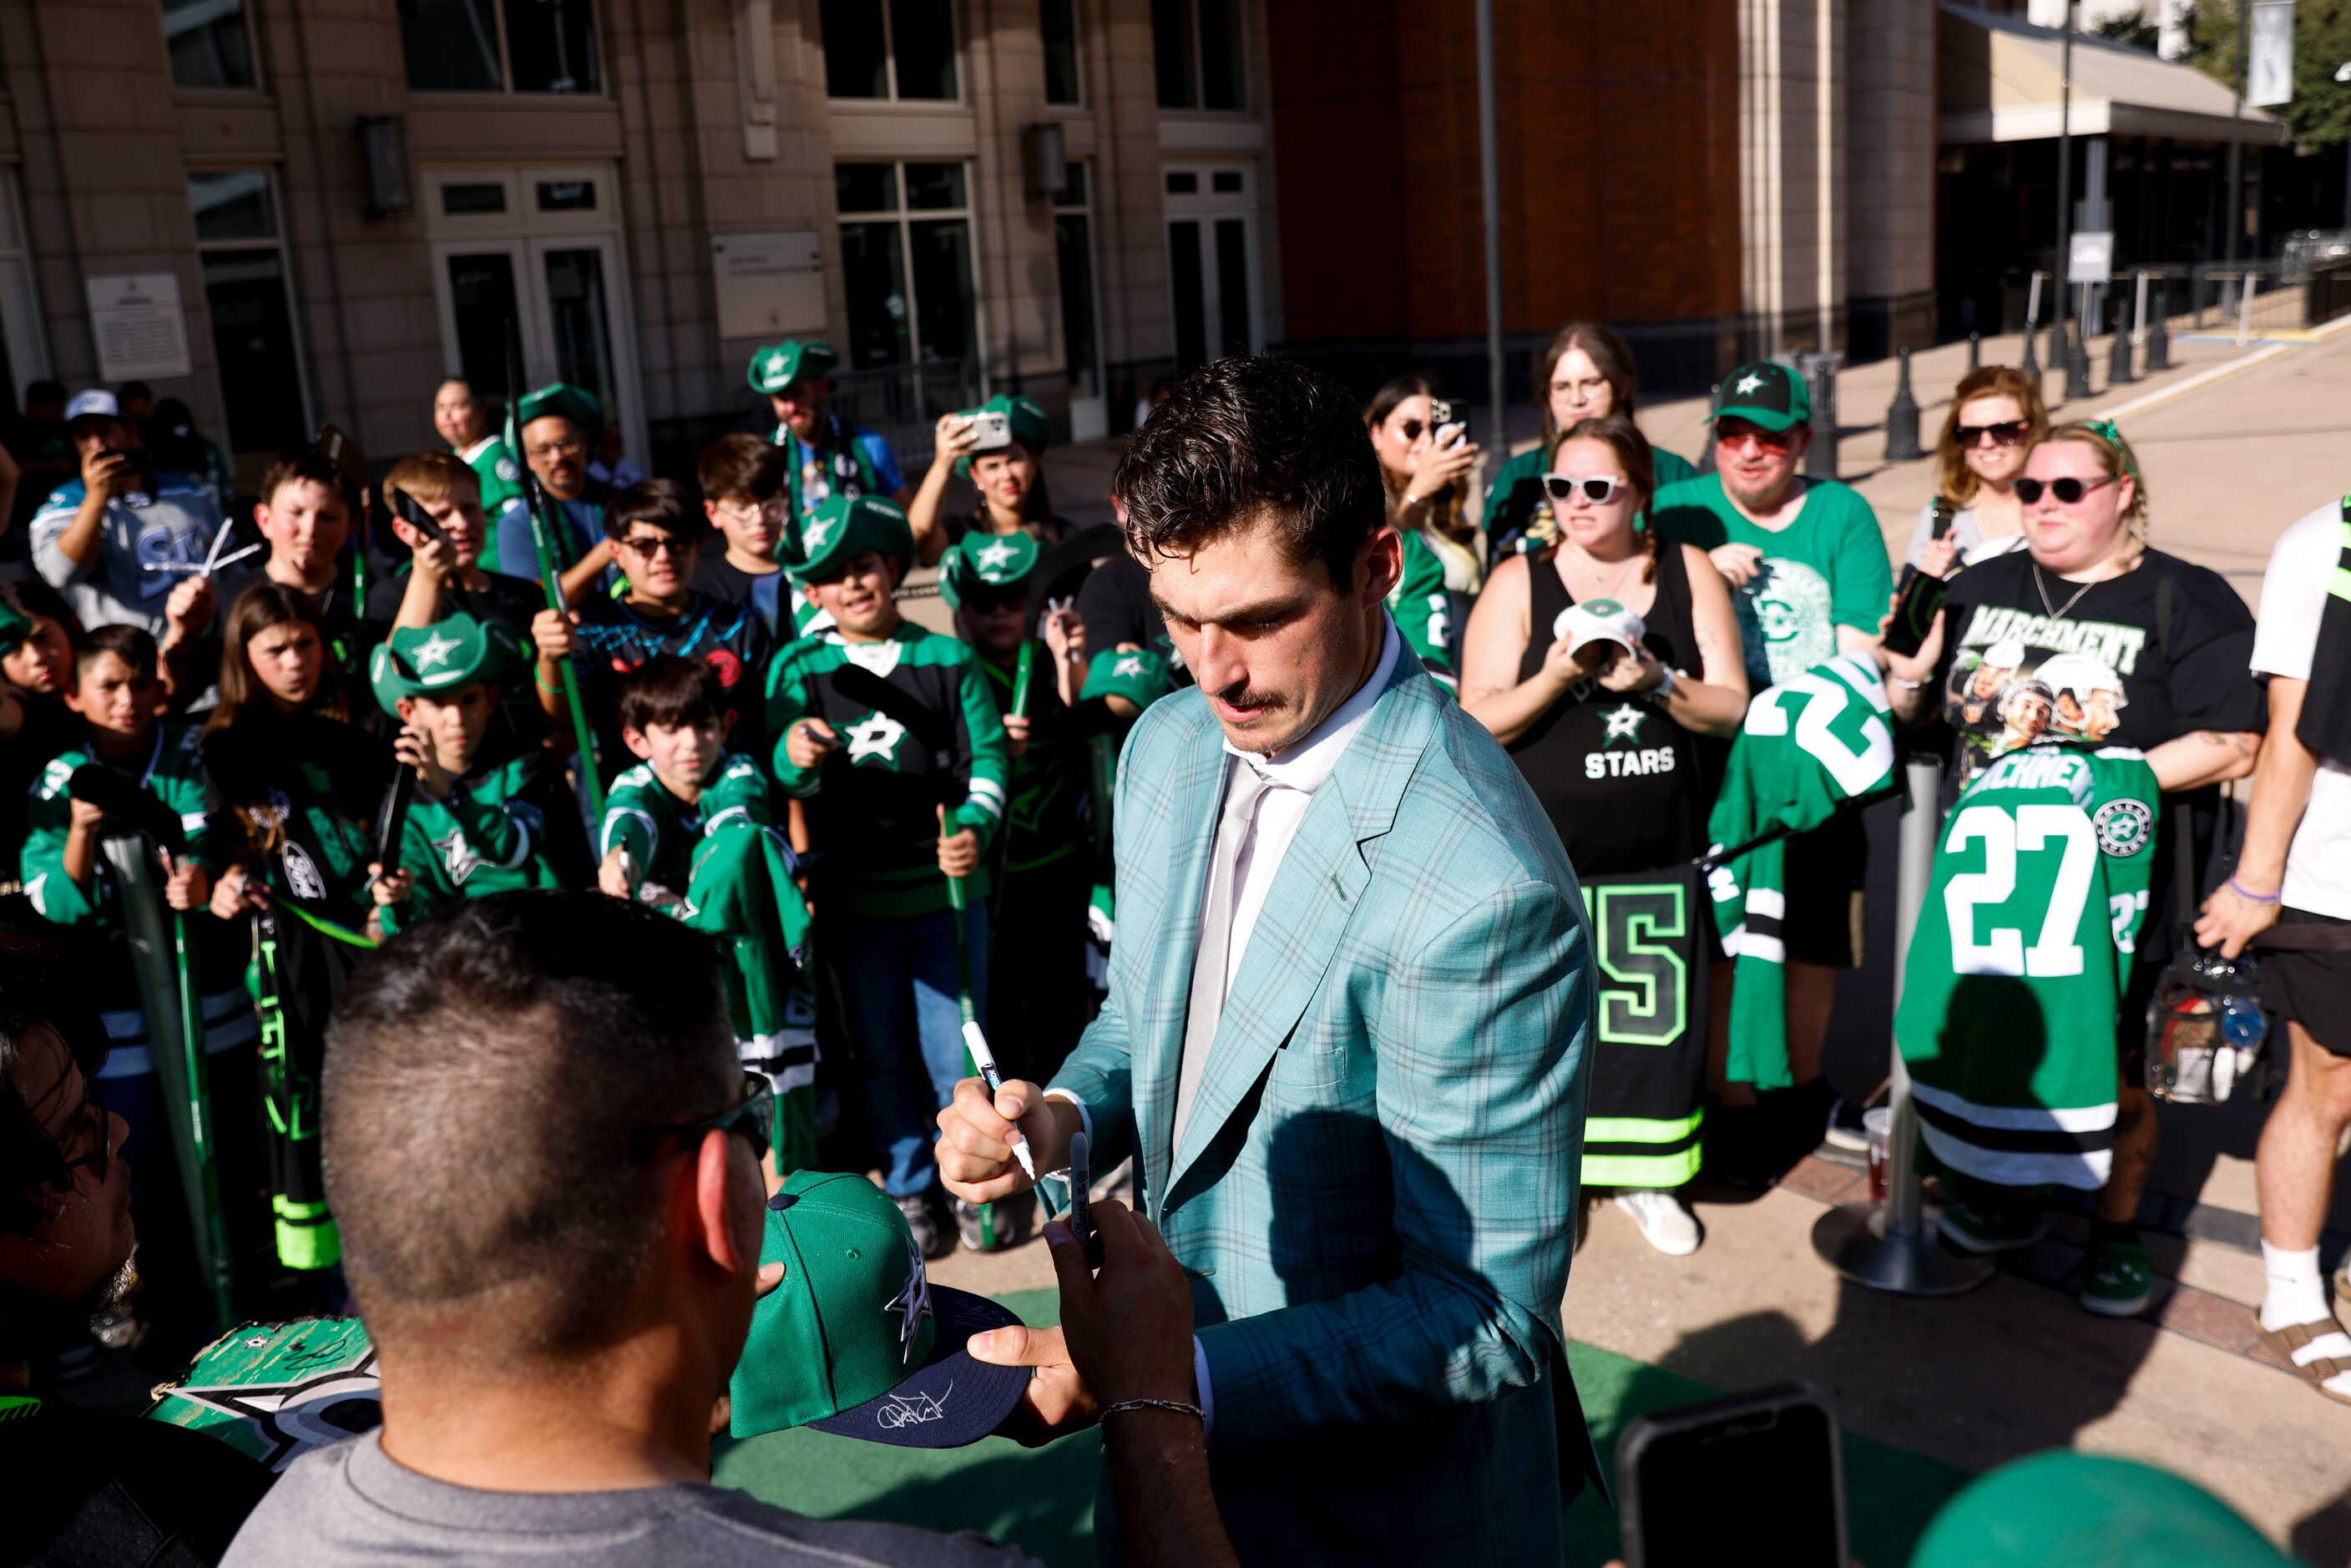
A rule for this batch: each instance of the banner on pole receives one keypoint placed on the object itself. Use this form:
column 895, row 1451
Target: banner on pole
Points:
column 2269, row 68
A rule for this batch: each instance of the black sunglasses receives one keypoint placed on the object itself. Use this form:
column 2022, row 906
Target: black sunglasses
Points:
column 2068, row 490
column 2007, row 433
column 754, row 1116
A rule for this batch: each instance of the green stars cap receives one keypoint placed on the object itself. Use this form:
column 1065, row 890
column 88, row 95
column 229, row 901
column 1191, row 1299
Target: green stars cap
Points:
column 980, row 562
column 840, row 525
column 15, row 626
column 1026, row 417
column 560, row 398
column 446, row 656
column 774, row 366
column 1766, row 393
column 2064, row 1507
column 856, row 1340
column 1139, row 675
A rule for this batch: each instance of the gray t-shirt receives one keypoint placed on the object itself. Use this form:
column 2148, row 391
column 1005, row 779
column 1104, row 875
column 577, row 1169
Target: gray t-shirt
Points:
column 168, row 527
column 353, row 1506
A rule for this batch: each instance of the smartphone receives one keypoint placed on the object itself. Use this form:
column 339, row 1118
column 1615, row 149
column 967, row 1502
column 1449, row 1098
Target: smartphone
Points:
column 991, row 432
column 1753, row 1476
column 1081, row 1208
column 1449, row 425
column 1914, row 613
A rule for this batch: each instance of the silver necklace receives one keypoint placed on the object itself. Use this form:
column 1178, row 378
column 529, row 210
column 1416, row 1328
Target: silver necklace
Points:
column 1623, row 572
column 2055, row 614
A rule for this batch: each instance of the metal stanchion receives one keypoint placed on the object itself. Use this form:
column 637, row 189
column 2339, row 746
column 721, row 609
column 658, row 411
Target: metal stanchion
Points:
column 1892, row 1246
column 1902, row 419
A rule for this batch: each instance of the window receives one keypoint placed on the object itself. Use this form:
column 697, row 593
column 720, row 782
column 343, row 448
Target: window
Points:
column 905, row 251
column 1196, row 45
column 1058, row 21
column 1074, row 249
column 208, row 44
column 902, row 50
column 242, row 251
column 500, row 46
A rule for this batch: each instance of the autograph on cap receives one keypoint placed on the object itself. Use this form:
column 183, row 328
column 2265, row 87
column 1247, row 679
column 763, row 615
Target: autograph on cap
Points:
column 913, row 1410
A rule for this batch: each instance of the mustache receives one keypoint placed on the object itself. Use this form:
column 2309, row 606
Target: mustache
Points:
column 1238, row 694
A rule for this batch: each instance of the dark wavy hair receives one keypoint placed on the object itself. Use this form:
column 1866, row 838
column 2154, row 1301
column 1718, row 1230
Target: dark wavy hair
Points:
column 1247, row 437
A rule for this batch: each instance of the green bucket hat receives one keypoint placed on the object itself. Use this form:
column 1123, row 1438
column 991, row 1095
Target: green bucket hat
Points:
column 774, row 366
column 15, row 626
column 1141, row 676
column 425, row 660
column 986, row 560
column 575, row 403
column 2088, row 1509
column 856, row 1340
column 1766, row 393
column 840, row 525
column 1031, row 426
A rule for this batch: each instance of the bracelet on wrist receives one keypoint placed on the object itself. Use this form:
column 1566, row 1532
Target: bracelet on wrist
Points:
column 2250, row 896
column 1180, row 1407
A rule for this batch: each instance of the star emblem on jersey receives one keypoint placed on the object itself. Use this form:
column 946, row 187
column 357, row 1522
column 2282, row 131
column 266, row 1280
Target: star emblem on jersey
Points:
column 993, row 558
column 434, row 650
column 875, row 735
column 458, row 856
column 1623, row 724
column 2124, row 826
column 913, row 1302
column 1747, row 383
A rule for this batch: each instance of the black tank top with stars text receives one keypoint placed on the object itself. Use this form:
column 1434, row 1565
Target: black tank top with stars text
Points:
column 1620, row 781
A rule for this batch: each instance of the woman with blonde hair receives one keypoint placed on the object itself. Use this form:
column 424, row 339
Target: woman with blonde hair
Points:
column 2163, row 649
column 1996, row 416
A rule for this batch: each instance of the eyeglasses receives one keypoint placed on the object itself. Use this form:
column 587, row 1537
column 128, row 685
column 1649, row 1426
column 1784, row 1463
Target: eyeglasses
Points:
column 102, row 1140
column 2007, row 433
column 570, row 446
column 754, row 1116
column 652, row 545
column 1771, row 441
column 1598, row 488
column 2068, row 490
column 770, row 510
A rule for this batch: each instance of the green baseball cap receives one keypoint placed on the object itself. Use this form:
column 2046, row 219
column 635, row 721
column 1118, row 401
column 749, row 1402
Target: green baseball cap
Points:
column 1139, row 675
column 856, row 1340
column 2093, row 1511
column 774, row 366
column 1766, row 393
column 1031, row 426
column 1001, row 562
column 560, row 398
column 839, row 527
column 15, row 626
column 448, row 656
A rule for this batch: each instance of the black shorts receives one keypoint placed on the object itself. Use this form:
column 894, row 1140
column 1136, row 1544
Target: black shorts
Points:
column 1825, row 868
column 2312, row 988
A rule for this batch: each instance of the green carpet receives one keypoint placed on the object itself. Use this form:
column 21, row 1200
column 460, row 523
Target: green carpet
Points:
column 1044, row 1499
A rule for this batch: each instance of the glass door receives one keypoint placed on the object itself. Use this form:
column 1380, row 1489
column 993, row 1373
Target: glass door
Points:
column 1211, row 267
column 576, row 313
column 480, row 286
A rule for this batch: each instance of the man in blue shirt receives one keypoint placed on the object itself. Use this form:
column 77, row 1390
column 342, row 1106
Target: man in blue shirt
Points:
column 826, row 456
column 559, row 424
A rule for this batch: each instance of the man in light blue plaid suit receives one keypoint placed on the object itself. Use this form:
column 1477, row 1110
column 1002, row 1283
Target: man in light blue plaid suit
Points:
column 1347, row 1036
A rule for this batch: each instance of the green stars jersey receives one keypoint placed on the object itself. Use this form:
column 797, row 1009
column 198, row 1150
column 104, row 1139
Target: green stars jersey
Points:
column 494, row 465
column 661, row 831
column 917, row 731
column 1808, row 747
column 497, row 832
column 2019, row 961
column 1423, row 612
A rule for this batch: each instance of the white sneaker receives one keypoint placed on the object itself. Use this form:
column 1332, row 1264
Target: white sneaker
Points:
column 1666, row 1222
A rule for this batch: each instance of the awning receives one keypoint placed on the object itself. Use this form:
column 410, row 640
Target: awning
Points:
column 1998, row 80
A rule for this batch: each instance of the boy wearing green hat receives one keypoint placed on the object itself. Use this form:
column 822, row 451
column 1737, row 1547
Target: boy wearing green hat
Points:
column 998, row 446
column 1045, row 867
column 1809, row 576
column 882, row 728
column 559, row 424
column 824, row 456
column 491, row 812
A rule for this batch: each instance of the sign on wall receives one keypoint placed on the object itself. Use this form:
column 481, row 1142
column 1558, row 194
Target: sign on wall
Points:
column 769, row 285
column 138, row 326
column 2092, row 259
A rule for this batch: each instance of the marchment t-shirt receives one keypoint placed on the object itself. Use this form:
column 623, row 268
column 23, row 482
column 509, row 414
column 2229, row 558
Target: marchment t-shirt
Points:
column 353, row 1506
column 1825, row 569
column 2293, row 596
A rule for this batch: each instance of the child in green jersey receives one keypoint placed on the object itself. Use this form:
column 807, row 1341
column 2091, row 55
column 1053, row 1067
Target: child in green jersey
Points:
column 491, row 812
column 885, row 728
column 687, row 830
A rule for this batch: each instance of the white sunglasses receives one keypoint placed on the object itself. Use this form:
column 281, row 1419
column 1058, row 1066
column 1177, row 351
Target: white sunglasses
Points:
column 1598, row 488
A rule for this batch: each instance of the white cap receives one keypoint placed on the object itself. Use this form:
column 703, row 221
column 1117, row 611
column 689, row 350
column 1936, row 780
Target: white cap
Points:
column 1599, row 620
column 95, row 404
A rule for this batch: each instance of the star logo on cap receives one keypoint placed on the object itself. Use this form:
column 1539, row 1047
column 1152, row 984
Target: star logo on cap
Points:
column 776, row 363
column 912, row 1303
column 1130, row 664
column 1747, row 383
column 993, row 557
column 434, row 650
column 813, row 536
column 876, row 735
column 1623, row 724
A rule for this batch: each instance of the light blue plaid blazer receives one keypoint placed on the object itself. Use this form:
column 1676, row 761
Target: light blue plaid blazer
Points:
column 1375, row 1193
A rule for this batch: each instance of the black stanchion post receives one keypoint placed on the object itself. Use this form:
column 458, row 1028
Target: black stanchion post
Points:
column 1902, row 418
column 1819, row 371
column 2077, row 361
column 2031, row 363
column 2118, row 358
column 2158, row 336
column 1975, row 352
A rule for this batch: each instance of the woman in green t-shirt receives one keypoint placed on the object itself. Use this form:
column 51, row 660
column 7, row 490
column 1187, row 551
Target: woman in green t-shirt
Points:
column 1585, row 371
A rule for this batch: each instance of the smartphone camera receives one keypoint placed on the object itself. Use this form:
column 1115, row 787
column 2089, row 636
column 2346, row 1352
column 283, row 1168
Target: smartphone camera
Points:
column 990, row 432
column 1451, row 425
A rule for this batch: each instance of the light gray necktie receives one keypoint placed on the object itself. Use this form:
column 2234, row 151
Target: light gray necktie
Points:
column 1243, row 793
